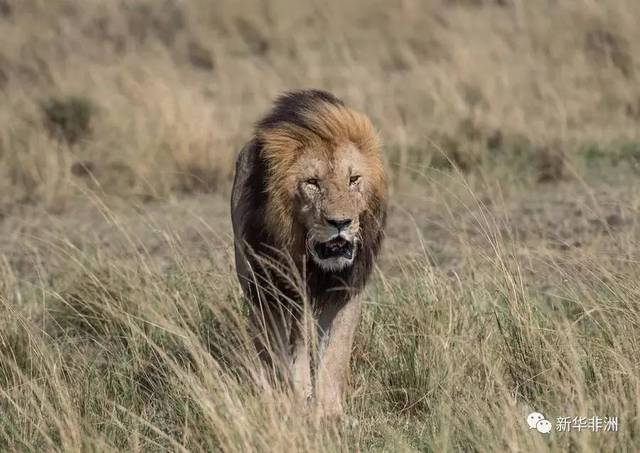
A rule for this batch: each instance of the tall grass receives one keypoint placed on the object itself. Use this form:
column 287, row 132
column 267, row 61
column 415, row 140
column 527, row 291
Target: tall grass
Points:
column 134, row 353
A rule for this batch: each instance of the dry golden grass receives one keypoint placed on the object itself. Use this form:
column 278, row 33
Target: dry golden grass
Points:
column 141, row 343
column 510, row 277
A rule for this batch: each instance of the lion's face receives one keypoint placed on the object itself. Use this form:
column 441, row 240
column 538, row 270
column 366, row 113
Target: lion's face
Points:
column 325, row 184
column 330, row 191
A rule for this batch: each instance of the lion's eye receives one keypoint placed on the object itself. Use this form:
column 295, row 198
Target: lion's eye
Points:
column 353, row 180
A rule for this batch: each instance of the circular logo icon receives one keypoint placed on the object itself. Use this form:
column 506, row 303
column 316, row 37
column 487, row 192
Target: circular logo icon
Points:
column 533, row 418
column 543, row 426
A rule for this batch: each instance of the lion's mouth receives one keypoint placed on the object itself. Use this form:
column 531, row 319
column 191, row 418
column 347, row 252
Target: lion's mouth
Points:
column 335, row 248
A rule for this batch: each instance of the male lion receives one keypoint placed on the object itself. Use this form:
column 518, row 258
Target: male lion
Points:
column 308, row 209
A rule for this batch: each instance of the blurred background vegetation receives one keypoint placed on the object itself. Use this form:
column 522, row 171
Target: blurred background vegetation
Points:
column 154, row 97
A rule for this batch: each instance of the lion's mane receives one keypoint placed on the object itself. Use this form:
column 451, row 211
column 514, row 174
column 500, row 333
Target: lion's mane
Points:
column 262, row 214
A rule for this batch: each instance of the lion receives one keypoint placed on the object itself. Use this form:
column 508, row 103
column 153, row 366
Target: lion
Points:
column 308, row 209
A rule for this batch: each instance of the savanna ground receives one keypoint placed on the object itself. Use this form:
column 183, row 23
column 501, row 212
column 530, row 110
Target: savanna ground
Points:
column 509, row 280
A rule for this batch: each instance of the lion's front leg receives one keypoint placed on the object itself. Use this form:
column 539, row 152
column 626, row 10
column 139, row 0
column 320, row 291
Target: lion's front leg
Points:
column 301, row 355
column 336, row 330
column 301, row 368
column 283, row 343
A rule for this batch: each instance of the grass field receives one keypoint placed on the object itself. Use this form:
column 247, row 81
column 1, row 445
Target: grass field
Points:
column 509, row 280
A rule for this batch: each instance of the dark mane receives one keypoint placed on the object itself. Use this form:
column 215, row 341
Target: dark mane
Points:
column 290, row 108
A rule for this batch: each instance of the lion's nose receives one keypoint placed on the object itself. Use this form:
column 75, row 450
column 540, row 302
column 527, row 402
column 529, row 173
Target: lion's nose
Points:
column 339, row 223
